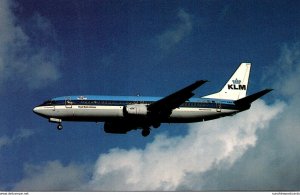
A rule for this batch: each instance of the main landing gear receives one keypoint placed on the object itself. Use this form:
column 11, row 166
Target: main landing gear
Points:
column 146, row 131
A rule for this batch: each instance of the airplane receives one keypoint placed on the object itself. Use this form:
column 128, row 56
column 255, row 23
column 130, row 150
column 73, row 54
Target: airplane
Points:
column 122, row 114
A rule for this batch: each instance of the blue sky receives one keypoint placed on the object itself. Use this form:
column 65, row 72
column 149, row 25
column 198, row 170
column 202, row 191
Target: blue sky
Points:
column 153, row 48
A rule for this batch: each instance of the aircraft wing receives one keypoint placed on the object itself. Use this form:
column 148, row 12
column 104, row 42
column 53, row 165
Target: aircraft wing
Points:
column 157, row 110
column 170, row 102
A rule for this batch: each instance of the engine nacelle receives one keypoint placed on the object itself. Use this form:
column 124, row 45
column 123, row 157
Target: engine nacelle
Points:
column 117, row 127
column 136, row 109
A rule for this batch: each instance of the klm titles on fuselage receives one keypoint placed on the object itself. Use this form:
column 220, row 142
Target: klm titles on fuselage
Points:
column 236, row 85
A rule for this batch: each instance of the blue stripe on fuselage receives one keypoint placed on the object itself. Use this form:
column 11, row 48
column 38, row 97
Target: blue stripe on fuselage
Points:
column 108, row 98
column 124, row 100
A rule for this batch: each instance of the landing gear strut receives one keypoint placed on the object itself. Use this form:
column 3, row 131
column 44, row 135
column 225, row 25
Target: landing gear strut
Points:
column 59, row 126
column 57, row 121
column 146, row 131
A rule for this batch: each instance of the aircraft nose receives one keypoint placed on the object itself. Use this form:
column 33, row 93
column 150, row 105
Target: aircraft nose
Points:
column 35, row 109
column 41, row 111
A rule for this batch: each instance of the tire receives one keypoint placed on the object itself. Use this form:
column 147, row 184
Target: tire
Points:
column 59, row 127
column 145, row 132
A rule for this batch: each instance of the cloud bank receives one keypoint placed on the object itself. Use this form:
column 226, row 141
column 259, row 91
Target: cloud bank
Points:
column 52, row 176
column 166, row 162
column 22, row 59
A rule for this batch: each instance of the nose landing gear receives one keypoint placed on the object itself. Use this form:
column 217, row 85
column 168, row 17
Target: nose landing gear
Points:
column 59, row 126
column 58, row 121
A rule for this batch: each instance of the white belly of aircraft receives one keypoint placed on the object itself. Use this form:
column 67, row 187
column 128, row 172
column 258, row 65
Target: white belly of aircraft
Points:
column 86, row 111
column 198, row 114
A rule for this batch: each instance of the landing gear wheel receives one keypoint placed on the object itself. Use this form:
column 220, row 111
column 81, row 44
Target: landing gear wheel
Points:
column 145, row 132
column 59, row 127
column 156, row 125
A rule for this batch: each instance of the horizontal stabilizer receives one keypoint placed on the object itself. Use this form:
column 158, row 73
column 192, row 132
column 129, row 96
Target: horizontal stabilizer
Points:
column 251, row 98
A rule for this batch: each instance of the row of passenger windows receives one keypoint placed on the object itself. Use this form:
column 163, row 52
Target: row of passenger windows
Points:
column 96, row 102
column 122, row 103
column 104, row 102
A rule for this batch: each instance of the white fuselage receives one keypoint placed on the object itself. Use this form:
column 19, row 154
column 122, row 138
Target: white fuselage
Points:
column 190, row 112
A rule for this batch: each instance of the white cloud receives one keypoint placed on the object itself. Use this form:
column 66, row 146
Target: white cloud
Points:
column 4, row 141
column 22, row 134
column 283, row 75
column 164, row 163
column 173, row 36
column 21, row 59
column 52, row 176
column 288, row 70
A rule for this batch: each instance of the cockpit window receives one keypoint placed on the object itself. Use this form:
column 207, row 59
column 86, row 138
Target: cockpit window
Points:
column 48, row 103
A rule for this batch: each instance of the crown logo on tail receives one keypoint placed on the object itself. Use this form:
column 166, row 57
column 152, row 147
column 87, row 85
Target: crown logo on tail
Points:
column 236, row 85
column 236, row 82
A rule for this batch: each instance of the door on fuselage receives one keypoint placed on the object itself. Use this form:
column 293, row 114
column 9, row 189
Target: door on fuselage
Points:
column 218, row 106
column 68, row 103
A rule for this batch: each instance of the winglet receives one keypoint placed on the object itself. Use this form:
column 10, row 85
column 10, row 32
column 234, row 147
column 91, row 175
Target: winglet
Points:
column 246, row 101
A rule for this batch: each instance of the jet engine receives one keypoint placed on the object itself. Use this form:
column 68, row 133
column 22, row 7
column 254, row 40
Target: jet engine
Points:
column 136, row 109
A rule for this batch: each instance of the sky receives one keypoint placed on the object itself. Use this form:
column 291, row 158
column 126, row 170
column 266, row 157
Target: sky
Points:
column 152, row 48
